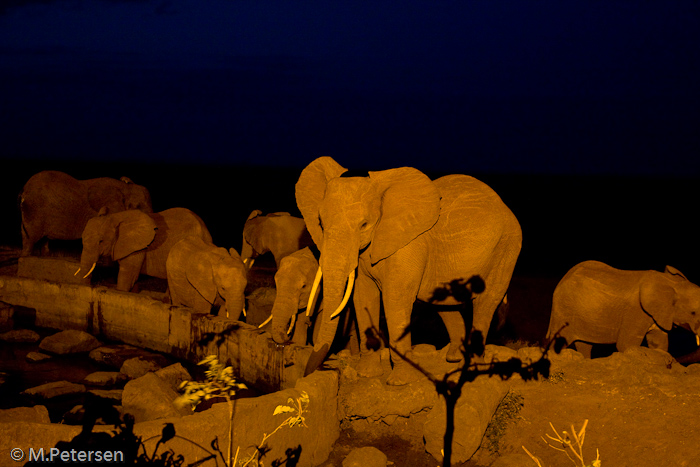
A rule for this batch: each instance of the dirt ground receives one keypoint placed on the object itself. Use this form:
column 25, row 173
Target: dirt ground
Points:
column 642, row 407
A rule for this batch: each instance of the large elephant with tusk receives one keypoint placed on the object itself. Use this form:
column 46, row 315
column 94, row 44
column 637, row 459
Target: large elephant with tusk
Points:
column 407, row 237
column 597, row 304
column 139, row 242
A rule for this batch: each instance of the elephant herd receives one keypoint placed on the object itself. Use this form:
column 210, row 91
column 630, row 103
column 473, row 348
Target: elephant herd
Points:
column 388, row 238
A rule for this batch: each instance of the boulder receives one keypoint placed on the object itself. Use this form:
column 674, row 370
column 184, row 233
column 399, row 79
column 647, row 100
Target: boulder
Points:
column 36, row 414
column 20, row 335
column 105, row 378
column 368, row 456
column 148, row 397
column 514, row 460
column 113, row 395
column 371, row 399
column 68, row 342
column 137, row 367
column 473, row 411
column 55, row 389
column 174, row 375
column 116, row 355
column 35, row 357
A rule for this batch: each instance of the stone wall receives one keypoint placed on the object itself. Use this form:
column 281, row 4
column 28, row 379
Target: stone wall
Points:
column 143, row 321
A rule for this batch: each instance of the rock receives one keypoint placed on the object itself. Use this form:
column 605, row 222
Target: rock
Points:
column 174, row 375
column 137, row 367
column 514, row 460
column 105, row 378
column 371, row 399
column 36, row 414
column 114, row 395
column 56, row 389
column 530, row 354
column 149, row 398
column 365, row 457
column 35, row 357
column 68, row 342
column 116, row 355
column 20, row 335
column 473, row 412
column 566, row 355
column 499, row 353
column 655, row 357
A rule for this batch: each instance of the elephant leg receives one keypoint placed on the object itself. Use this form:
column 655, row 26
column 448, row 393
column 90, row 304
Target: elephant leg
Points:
column 129, row 270
column 398, row 305
column 496, row 283
column 584, row 348
column 456, row 329
column 366, row 298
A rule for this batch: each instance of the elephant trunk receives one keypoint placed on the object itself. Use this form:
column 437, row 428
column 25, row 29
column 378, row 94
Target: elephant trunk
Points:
column 88, row 261
column 338, row 260
column 286, row 305
column 247, row 254
column 233, row 307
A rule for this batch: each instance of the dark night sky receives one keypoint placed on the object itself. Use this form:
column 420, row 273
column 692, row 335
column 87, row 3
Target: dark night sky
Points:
column 480, row 87
column 533, row 97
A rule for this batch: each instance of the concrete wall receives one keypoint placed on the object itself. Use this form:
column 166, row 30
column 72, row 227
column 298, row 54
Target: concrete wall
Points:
column 143, row 321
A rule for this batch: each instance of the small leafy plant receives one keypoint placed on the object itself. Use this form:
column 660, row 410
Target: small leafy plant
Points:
column 220, row 382
column 564, row 444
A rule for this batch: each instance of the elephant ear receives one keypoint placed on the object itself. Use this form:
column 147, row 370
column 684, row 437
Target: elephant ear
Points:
column 410, row 206
column 202, row 279
column 106, row 196
column 135, row 232
column 254, row 214
column 658, row 298
column 310, row 190
column 674, row 272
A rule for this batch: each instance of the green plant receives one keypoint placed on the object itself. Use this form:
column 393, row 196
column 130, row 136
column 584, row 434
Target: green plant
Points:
column 221, row 383
column 564, row 444
column 507, row 410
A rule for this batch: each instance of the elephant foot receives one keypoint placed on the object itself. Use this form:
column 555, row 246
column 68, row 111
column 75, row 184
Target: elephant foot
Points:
column 370, row 365
column 403, row 374
column 455, row 353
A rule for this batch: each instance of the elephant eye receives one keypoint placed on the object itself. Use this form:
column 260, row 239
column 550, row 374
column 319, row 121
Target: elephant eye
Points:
column 364, row 225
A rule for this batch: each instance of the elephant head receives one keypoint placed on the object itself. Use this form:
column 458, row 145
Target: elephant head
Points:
column 118, row 195
column 115, row 236
column 373, row 215
column 670, row 298
column 293, row 282
column 252, row 245
column 223, row 275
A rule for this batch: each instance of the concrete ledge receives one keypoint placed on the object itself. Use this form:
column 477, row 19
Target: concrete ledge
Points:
column 51, row 269
column 143, row 321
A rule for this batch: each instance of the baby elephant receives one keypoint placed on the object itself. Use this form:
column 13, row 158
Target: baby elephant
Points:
column 597, row 304
column 202, row 275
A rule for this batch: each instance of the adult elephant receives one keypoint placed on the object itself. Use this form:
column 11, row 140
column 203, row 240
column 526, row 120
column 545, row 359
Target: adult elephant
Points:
column 595, row 303
column 409, row 237
column 139, row 242
column 202, row 275
column 278, row 232
column 56, row 206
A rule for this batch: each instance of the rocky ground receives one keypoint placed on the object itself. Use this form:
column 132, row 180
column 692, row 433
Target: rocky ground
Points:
column 640, row 408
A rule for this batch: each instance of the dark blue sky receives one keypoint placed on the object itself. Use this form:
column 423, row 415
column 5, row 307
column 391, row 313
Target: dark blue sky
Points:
column 476, row 87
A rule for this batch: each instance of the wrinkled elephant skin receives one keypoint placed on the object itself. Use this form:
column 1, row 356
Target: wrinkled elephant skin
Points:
column 408, row 237
column 279, row 233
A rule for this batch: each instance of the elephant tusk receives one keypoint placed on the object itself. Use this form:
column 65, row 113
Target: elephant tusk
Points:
column 244, row 312
column 269, row 318
column 90, row 271
column 314, row 291
column 697, row 340
column 291, row 324
column 76, row 272
column 348, row 291
column 249, row 262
